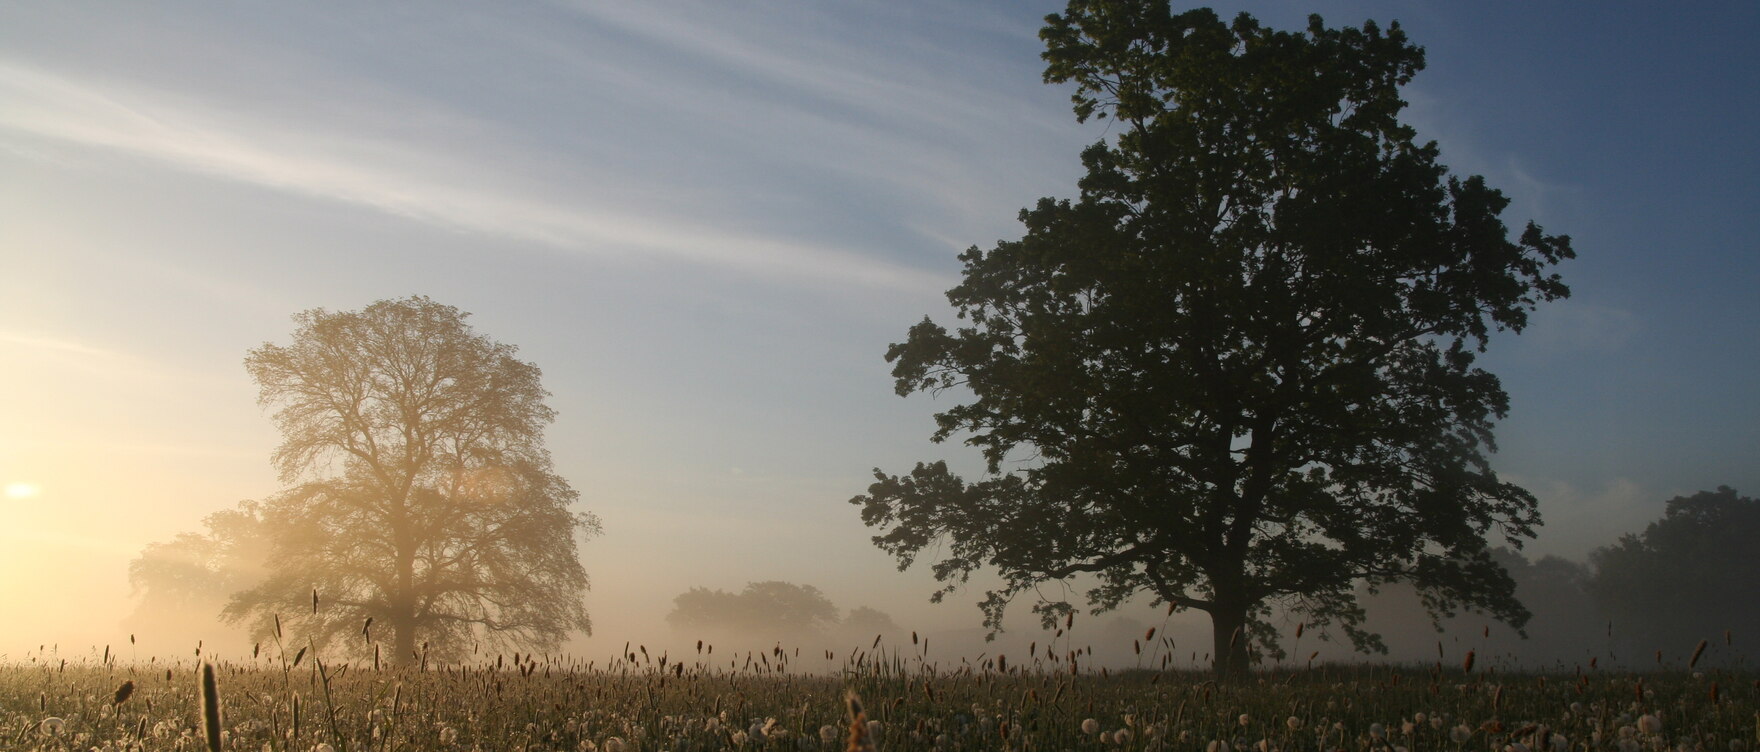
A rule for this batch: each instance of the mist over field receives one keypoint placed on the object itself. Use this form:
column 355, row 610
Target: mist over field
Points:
column 621, row 331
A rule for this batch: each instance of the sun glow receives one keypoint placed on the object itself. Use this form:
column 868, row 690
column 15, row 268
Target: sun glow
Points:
column 22, row 490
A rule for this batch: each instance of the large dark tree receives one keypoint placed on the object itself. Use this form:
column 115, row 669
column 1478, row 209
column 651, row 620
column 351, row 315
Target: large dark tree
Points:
column 421, row 495
column 1688, row 577
column 1239, row 370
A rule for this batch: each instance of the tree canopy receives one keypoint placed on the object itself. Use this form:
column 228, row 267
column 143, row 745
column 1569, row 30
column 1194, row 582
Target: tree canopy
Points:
column 767, row 612
column 184, row 583
column 1687, row 577
column 420, row 494
column 1238, row 370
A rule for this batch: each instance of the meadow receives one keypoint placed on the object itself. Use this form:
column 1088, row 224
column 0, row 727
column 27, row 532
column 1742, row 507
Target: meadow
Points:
column 758, row 701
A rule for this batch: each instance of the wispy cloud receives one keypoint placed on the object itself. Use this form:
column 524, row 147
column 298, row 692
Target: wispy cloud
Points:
column 836, row 69
column 445, row 190
column 56, row 345
column 38, row 350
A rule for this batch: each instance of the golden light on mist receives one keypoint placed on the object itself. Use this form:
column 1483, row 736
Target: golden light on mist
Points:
column 18, row 490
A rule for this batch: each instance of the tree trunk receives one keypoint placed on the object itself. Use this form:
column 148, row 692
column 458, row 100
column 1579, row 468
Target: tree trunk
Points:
column 403, row 641
column 403, row 606
column 1228, row 623
column 403, row 616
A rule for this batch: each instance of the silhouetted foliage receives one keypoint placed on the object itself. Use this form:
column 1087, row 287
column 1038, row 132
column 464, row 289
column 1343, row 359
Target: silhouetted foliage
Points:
column 1688, row 577
column 421, row 495
column 767, row 612
column 1238, row 371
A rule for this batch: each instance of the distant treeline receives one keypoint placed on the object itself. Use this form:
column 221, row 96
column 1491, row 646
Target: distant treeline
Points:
column 1646, row 600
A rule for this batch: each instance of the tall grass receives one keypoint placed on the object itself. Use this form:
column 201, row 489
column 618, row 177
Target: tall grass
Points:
column 881, row 698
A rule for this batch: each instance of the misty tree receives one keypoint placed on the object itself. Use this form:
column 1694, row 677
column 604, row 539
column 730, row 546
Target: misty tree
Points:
column 1565, row 627
column 765, row 612
column 865, row 620
column 187, row 580
column 1687, row 577
column 420, row 494
column 1238, row 372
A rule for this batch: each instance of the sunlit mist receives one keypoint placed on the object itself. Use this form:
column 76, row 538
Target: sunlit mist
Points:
column 704, row 253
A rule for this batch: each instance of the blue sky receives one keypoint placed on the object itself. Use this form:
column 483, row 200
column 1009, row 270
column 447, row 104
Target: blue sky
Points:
column 706, row 221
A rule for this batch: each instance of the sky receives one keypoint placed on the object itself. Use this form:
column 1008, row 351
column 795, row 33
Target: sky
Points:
column 706, row 221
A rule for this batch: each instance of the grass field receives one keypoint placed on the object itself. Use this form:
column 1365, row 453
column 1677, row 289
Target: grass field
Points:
column 654, row 703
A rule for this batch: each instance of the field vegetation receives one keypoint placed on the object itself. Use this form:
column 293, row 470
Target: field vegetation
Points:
column 295, row 700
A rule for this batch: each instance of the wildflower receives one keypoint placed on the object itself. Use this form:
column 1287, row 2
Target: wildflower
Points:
column 1090, row 727
column 1377, row 731
column 448, row 735
column 1216, row 745
column 323, row 748
column 615, row 744
column 828, row 733
column 1294, row 723
column 1460, row 734
column 53, row 725
column 1121, row 736
column 1245, row 719
column 1649, row 724
column 738, row 739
